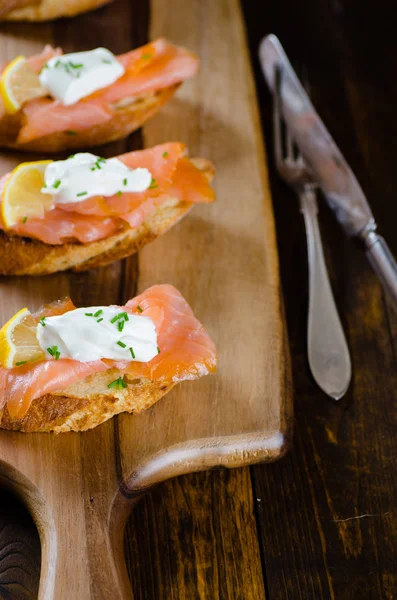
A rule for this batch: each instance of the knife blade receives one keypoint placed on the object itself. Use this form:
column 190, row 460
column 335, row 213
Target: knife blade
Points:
column 336, row 179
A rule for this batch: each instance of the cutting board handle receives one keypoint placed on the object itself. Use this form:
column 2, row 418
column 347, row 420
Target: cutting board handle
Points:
column 80, row 520
column 80, row 558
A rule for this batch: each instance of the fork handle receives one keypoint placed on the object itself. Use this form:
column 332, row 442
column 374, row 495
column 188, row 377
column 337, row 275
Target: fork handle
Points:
column 329, row 357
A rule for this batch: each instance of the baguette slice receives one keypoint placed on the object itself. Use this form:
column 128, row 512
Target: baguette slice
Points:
column 153, row 73
column 45, row 10
column 187, row 353
column 25, row 256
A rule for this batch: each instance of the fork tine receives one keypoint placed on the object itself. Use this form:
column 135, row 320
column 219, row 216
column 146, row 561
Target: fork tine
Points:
column 277, row 127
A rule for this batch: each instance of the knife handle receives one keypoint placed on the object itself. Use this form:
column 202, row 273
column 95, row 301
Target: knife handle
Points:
column 383, row 263
column 328, row 352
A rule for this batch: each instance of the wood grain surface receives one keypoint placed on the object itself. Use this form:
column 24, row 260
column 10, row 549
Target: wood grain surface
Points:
column 325, row 514
column 223, row 258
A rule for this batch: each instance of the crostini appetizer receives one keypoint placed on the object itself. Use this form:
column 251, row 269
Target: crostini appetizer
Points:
column 53, row 101
column 70, row 369
column 86, row 211
column 45, row 10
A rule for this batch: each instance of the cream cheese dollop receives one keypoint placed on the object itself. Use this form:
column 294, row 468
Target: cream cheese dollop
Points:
column 71, row 77
column 89, row 334
column 85, row 175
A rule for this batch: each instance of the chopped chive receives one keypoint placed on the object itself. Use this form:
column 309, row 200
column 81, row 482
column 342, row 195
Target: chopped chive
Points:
column 89, row 314
column 71, row 156
column 57, row 355
column 165, row 154
column 116, row 318
column 98, row 312
column 82, row 194
column 57, row 184
column 99, row 320
column 76, row 66
column 21, row 362
column 101, row 159
column 58, row 62
column 139, row 308
column 70, row 132
column 120, row 325
column 125, row 317
column 153, row 184
column 24, row 220
column 119, row 193
column 132, row 352
column 146, row 56
column 44, row 185
column 125, row 181
column 42, row 321
column 119, row 382
column 122, row 344
column 106, row 61
column 50, row 351
column 158, row 350
column 92, row 168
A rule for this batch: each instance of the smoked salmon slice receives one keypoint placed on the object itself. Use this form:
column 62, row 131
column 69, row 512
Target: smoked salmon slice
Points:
column 151, row 68
column 174, row 176
column 186, row 353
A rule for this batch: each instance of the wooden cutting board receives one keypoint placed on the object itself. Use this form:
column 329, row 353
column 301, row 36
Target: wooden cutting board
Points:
column 222, row 257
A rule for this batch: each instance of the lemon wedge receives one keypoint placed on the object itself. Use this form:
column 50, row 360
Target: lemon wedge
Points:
column 22, row 198
column 18, row 341
column 19, row 84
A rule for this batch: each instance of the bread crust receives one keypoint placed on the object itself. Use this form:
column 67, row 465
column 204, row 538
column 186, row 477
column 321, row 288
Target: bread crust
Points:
column 128, row 116
column 78, row 408
column 45, row 10
column 26, row 256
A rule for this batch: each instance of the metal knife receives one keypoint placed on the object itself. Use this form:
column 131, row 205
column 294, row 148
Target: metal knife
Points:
column 337, row 181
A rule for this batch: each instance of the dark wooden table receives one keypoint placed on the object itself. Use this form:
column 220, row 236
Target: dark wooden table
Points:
column 322, row 522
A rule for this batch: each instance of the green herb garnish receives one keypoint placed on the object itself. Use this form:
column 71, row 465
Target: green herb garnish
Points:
column 121, row 344
column 82, row 194
column 99, row 320
column 146, row 56
column 57, row 184
column 139, row 308
column 119, row 383
column 106, row 61
column 158, row 350
column 54, row 352
column 98, row 312
column 70, row 132
column 153, row 184
column 119, row 193
column 24, row 220
column 120, row 325
column 125, row 181
column 132, row 352
column 89, row 314
column 165, row 154
column 42, row 321
column 21, row 362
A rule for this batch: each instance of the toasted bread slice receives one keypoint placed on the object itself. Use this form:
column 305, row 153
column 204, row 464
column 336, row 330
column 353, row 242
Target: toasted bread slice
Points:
column 86, row 404
column 25, row 256
column 128, row 116
column 45, row 10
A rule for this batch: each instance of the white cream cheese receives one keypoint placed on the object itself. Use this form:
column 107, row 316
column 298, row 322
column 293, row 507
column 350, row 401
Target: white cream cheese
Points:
column 71, row 77
column 89, row 334
column 85, row 175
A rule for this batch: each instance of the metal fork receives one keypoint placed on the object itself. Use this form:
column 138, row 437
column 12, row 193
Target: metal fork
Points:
column 329, row 357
